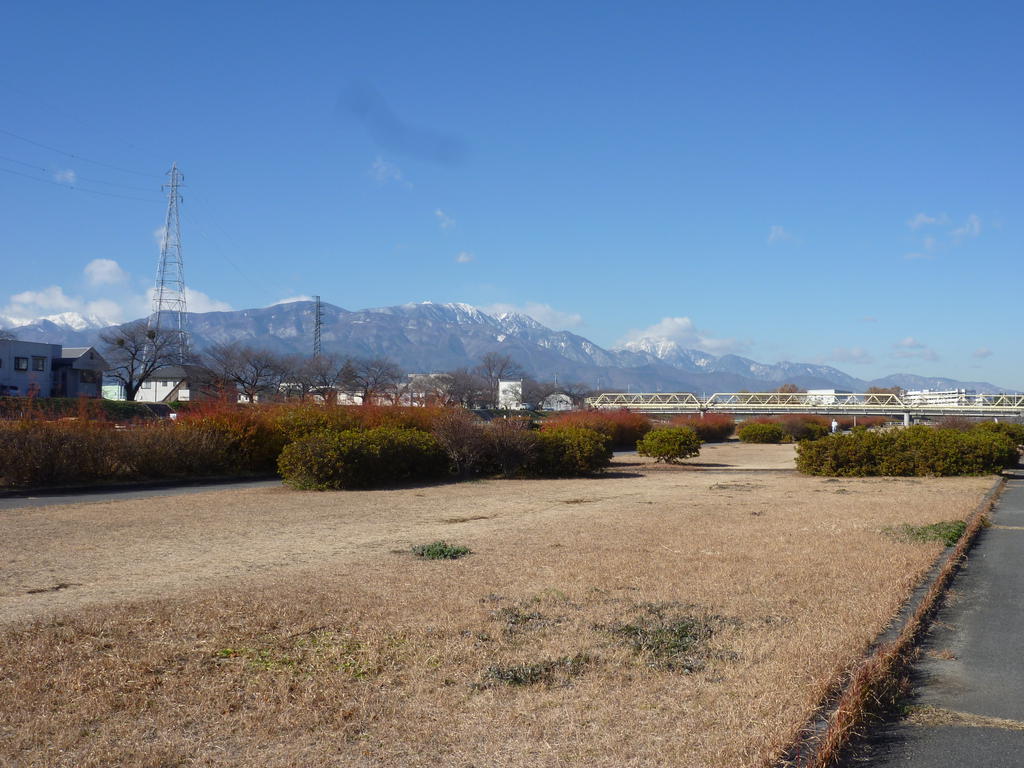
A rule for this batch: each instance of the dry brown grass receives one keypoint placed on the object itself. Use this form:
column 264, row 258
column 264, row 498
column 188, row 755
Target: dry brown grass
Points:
column 362, row 655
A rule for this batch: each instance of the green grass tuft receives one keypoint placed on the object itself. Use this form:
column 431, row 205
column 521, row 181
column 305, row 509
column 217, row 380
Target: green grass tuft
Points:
column 440, row 550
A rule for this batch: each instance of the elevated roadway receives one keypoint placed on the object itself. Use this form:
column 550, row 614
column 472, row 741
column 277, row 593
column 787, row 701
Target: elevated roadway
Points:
column 775, row 403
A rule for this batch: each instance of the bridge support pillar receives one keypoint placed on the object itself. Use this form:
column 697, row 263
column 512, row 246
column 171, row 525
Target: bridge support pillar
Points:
column 907, row 420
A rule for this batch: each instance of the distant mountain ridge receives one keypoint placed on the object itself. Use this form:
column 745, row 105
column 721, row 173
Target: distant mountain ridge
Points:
column 429, row 337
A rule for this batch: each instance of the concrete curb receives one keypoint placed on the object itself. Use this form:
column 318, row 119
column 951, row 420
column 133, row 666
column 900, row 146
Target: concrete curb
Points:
column 840, row 716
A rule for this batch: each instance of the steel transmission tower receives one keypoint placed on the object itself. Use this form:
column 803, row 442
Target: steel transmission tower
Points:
column 169, row 309
column 318, row 321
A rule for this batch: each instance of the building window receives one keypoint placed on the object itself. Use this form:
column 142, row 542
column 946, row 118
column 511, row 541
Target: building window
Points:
column 21, row 363
column 147, row 385
column 89, row 377
column 38, row 363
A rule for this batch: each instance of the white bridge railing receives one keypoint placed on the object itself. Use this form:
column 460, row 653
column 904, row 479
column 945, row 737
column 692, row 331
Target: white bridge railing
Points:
column 803, row 402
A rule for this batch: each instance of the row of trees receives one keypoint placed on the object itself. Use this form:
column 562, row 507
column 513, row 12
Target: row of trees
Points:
column 137, row 353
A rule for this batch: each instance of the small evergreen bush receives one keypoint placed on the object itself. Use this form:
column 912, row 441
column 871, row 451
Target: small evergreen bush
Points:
column 368, row 458
column 570, row 452
column 761, row 432
column 669, row 444
column 916, row 451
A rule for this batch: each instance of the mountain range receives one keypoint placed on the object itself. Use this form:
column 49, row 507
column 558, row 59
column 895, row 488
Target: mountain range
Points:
column 429, row 337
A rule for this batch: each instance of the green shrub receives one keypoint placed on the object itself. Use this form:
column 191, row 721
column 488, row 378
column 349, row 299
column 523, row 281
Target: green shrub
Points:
column 757, row 432
column 368, row 458
column 916, row 451
column 1014, row 431
column 441, row 550
column 570, row 452
column 669, row 444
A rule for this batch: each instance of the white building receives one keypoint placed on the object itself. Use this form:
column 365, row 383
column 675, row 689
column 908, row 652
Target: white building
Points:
column 510, row 394
column 939, row 397
column 559, row 401
column 825, row 396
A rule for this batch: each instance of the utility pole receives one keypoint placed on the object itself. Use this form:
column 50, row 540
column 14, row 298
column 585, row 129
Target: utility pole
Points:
column 318, row 321
column 169, row 308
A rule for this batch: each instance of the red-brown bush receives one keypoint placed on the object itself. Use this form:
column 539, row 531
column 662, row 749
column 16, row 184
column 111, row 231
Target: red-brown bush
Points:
column 711, row 428
column 623, row 427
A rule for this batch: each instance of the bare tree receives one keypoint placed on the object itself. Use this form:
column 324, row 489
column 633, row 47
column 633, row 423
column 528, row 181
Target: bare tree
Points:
column 466, row 388
column 135, row 352
column 494, row 367
column 534, row 392
column 464, row 439
column 375, row 377
column 789, row 389
column 578, row 392
column 253, row 371
column 327, row 374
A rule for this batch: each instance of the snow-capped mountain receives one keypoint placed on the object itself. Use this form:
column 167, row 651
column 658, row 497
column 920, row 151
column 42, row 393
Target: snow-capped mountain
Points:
column 429, row 336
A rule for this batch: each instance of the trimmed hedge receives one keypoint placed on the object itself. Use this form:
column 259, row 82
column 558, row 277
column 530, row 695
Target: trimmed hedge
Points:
column 622, row 426
column 669, row 444
column 570, row 452
column 916, row 451
column 712, row 428
column 369, row 458
column 759, row 432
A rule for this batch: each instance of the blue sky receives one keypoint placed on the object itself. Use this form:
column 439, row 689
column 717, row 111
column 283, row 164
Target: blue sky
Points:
column 809, row 181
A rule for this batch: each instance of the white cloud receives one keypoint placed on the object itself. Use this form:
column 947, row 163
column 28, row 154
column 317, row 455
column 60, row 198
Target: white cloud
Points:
column 66, row 176
column 292, row 300
column 911, row 347
column 464, row 257
column 854, row 355
column 105, row 272
column 198, row 301
column 778, row 234
column 384, row 172
column 444, row 220
column 685, row 333
column 970, row 228
column 158, row 235
column 923, row 220
column 981, row 353
column 108, row 298
column 544, row 314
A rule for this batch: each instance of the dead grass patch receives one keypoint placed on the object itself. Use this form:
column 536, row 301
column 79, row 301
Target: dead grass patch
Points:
column 290, row 636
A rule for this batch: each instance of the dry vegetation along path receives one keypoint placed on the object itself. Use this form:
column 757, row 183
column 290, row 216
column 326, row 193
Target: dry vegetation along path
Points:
column 688, row 616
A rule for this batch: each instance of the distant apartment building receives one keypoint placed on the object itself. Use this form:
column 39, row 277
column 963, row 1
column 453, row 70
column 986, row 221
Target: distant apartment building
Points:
column 825, row 396
column 37, row 369
column 939, row 397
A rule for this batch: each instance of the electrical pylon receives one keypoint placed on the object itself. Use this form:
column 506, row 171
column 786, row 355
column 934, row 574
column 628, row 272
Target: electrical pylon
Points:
column 169, row 308
column 318, row 321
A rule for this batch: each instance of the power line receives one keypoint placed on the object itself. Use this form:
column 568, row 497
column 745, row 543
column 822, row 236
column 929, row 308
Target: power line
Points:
column 77, row 189
column 77, row 177
column 77, row 157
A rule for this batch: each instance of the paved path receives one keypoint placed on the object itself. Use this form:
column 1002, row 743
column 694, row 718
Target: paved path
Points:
column 967, row 707
column 108, row 493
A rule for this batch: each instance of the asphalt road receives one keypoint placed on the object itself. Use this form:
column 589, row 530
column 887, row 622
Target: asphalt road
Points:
column 43, row 499
column 967, row 706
